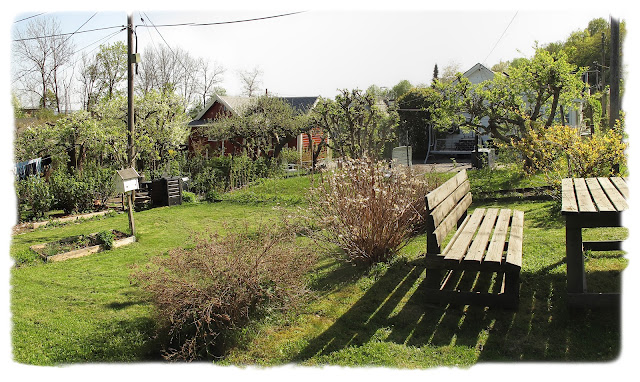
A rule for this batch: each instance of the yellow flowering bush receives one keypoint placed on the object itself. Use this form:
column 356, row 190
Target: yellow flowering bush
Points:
column 561, row 152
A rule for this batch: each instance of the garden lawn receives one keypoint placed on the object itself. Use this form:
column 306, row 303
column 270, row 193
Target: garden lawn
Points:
column 86, row 310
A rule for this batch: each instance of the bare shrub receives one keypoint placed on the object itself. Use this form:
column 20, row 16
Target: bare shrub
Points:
column 205, row 292
column 367, row 209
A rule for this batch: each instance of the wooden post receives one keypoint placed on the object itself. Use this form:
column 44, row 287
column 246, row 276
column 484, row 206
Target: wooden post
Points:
column 130, row 119
column 576, row 281
column 132, row 224
column 614, row 73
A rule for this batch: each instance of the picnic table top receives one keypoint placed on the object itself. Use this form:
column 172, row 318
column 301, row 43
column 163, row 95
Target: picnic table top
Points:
column 594, row 195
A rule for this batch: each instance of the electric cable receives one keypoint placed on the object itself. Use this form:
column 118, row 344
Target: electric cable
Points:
column 505, row 31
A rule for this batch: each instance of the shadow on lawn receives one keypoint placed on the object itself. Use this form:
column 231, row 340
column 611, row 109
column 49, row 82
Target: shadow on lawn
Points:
column 541, row 329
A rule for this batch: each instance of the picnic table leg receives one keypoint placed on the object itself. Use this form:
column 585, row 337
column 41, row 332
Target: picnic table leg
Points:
column 576, row 279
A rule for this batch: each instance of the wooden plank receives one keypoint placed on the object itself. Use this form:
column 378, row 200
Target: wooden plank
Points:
column 621, row 185
column 514, row 251
column 443, row 209
column 452, row 219
column 569, row 203
column 455, row 235
column 605, row 245
column 436, row 196
column 479, row 245
column 585, row 204
column 496, row 247
column 598, row 195
column 614, row 195
column 458, row 249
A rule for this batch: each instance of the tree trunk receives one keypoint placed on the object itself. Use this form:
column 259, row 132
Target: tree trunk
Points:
column 554, row 107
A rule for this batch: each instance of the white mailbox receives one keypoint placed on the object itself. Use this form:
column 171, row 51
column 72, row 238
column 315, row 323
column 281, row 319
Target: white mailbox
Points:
column 126, row 180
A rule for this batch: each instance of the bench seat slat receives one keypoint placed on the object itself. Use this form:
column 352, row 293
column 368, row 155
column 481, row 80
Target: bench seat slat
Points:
column 514, row 251
column 614, row 195
column 477, row 249
column 621, row 185
column 569, row 202
column 496, row 247
column 458, row 249
column 585, row 203
column 599, row 197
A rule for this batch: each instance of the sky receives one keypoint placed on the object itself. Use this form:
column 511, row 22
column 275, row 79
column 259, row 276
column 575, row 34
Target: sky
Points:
column 332, row 45
column 322, row 50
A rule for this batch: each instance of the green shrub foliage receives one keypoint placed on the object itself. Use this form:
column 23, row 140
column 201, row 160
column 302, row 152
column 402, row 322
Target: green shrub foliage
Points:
column 35, row 194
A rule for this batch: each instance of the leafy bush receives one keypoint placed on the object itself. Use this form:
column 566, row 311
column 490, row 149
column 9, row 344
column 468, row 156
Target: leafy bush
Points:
column 188, row 197
column 204, row 293
column 71, row 193
column 367, row 209
column 35, row 193
column 212, row 196
column 560, row 152
column 289, row 155
column 75, row 192
column 100, row 181
column 106, row 239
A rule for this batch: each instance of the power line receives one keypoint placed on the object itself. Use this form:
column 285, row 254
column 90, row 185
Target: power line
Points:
column 30, row 17
column 70, row 33
column 107, row 37
column 505, row 31
column 83, row 24
column 221, row 22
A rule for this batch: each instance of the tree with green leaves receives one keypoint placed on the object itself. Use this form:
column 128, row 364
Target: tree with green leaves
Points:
column 263, row 128
column 160, row 126
column 355, row 123
column 530, row 94
column 111, row 67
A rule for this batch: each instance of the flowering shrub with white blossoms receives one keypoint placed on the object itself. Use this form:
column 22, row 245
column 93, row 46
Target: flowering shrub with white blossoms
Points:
column 368, row 209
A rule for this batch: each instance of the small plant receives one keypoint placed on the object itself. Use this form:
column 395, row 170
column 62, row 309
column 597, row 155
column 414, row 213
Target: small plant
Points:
column 25, row 257
column 215, row 287
column 188, row 197
column 106, row 239
column 212, row 196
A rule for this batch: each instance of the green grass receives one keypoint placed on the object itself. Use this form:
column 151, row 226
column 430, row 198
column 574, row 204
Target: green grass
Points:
column 500, row 179
column 87, row 310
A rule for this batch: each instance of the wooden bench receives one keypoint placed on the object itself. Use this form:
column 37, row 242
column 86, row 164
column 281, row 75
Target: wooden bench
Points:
column 487, row 242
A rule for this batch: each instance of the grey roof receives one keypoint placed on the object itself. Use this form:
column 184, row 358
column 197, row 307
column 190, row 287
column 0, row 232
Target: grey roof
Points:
column 301, row 104
column 128, row 173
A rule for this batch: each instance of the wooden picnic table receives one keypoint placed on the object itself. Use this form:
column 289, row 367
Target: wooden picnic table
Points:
column 589, row 203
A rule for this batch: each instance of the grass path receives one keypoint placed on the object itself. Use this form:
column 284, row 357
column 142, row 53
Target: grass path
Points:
column 86, row 309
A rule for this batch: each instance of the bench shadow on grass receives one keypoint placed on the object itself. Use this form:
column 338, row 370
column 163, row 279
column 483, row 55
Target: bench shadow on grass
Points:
column 541, row 329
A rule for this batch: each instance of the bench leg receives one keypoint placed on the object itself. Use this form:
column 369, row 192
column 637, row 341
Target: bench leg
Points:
column 576, row 280
column 511, row 291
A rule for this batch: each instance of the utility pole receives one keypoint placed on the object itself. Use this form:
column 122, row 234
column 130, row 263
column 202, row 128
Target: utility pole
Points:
column 614, row 98
column 130, row 120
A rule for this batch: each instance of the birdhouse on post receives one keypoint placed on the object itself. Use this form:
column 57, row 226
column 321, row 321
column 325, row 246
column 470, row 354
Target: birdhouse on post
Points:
column 126, row 180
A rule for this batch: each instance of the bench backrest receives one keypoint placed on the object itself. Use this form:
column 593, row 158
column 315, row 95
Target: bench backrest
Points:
column 447, row 206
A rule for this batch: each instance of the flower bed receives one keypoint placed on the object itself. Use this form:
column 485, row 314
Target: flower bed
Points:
column 82, row 245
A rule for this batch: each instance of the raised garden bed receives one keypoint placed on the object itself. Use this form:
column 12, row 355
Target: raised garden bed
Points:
column 82, row 245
